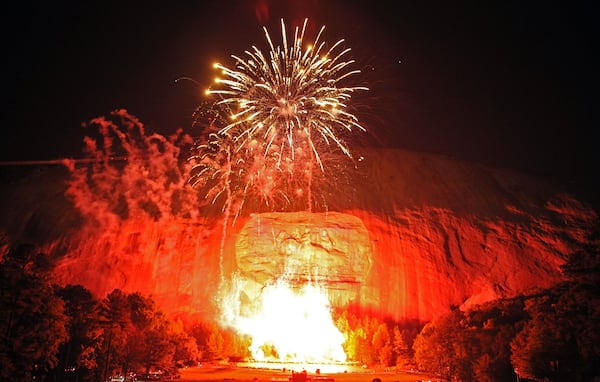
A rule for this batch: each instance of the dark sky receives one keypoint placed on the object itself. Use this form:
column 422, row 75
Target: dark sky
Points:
column 503, row 83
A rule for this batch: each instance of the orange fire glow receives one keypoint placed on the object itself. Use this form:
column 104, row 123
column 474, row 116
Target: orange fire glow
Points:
column 291, row 325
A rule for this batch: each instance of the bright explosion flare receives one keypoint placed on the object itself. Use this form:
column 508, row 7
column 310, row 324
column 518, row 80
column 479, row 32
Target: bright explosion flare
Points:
column 293, row 326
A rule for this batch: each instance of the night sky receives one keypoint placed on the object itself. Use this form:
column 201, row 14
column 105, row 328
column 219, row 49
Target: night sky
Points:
column 502, row 83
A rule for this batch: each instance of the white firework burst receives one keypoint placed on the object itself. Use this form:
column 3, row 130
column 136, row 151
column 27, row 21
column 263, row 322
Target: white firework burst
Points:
column 291, row 99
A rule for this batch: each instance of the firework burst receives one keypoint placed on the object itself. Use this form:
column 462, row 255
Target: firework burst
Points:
column 276, row 118
column 292, row 97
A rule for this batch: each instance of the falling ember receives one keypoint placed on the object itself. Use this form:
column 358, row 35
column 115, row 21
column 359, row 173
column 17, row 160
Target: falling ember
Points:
column 292, row 326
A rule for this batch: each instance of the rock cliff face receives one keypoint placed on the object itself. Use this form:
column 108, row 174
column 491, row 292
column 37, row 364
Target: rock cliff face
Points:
column 410, row 235
column 331, row 250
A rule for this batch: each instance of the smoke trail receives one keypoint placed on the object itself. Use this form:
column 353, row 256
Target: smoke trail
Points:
column 149, row 179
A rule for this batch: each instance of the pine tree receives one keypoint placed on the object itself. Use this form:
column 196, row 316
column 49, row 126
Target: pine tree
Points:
column 33, row 323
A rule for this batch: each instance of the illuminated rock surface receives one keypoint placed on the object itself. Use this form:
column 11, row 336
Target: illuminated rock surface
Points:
column 331, row 250
column 414, row 234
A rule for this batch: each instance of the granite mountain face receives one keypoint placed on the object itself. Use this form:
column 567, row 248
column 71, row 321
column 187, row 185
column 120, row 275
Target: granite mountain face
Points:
column 406, row 235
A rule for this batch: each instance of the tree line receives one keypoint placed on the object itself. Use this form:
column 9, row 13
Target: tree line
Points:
column 547, row 335
column 63, row 333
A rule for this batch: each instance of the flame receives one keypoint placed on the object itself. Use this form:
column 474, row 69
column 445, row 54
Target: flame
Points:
column 293, row 326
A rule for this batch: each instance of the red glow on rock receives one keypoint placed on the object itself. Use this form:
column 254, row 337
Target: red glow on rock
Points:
column 400, row 245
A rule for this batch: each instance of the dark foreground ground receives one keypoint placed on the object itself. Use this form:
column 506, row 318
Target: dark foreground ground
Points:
column 233, row 374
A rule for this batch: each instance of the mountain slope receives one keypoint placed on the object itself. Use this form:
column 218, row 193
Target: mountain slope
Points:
column 405, row 234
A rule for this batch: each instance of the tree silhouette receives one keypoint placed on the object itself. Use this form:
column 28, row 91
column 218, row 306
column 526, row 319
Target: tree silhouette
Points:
column 114, row 317
column 382, row 345
column 435, row 348
column 561, row 341
column 158, row 347
column 401, row 348
column 33, row 322
column 79, row 354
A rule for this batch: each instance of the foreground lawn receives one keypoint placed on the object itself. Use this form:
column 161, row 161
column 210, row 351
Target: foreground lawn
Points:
column 223, row 373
